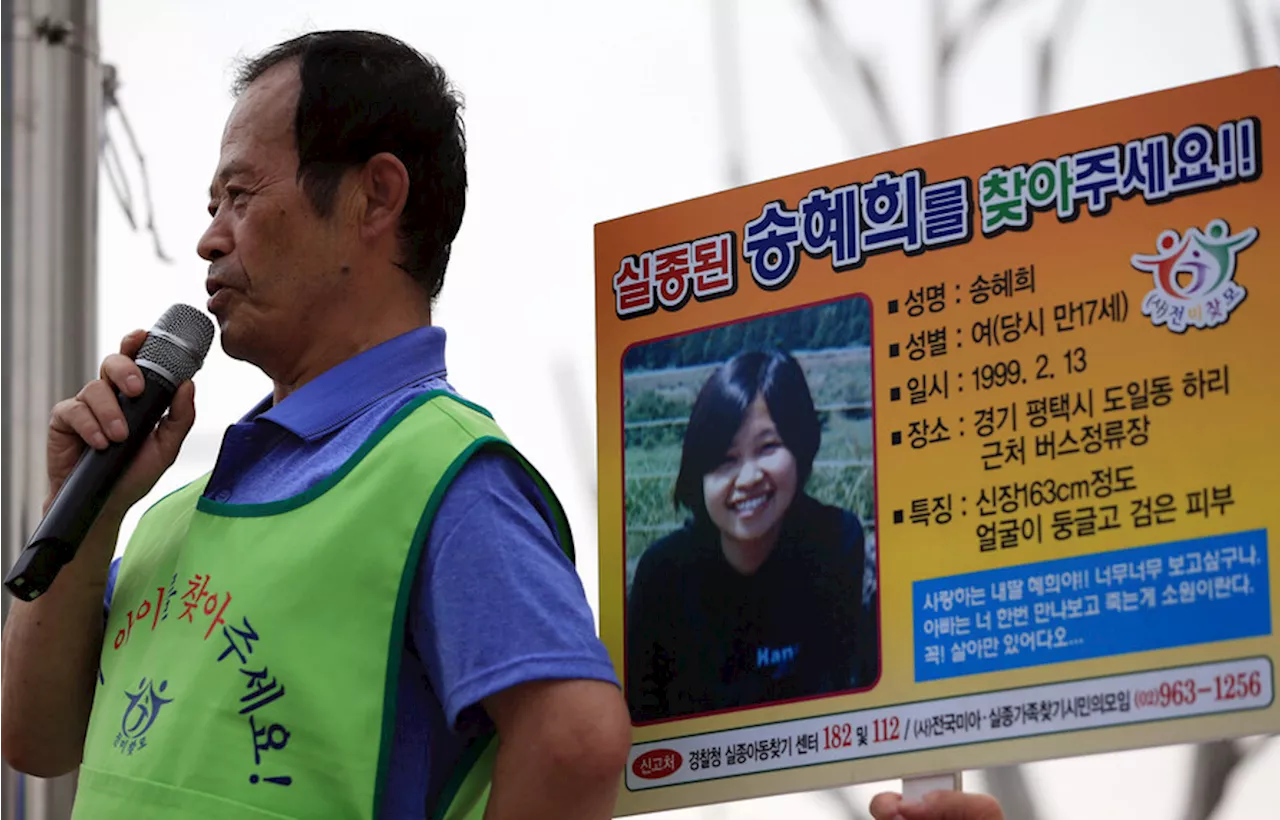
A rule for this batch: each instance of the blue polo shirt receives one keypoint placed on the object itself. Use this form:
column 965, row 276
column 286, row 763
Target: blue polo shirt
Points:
column 496, row 603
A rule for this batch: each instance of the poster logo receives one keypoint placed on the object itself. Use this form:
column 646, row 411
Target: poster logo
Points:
column 1194, row 276
column 657, row 764
column 143, row 709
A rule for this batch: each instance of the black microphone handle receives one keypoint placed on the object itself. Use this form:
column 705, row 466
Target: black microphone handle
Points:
column 82, row 496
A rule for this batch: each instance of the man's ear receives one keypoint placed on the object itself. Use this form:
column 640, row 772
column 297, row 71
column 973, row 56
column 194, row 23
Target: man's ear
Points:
column 384, row 182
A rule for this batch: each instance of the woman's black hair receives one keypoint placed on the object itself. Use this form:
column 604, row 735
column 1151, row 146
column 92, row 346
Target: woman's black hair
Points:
column 722, row 404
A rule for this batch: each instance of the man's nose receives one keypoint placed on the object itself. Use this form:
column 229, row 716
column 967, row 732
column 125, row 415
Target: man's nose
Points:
column 216, row 241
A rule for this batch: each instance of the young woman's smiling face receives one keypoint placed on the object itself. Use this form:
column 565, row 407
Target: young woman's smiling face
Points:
column 749, row 492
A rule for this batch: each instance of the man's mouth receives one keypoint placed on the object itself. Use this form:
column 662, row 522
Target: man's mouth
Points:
column 218, row 299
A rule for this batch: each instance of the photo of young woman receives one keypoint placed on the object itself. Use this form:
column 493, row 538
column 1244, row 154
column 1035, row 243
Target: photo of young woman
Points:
column 761, row 596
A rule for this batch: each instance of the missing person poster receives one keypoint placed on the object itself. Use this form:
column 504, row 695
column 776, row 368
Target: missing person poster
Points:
column 955, row 456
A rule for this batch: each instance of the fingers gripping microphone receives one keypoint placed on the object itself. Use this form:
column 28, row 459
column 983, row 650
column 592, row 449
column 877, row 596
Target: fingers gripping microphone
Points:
column 172, row 353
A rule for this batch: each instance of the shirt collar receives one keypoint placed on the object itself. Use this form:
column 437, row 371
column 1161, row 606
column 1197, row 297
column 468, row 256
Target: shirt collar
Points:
column 346, row 390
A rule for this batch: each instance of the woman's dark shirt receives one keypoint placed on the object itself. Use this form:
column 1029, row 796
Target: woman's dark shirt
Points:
column 702, row 637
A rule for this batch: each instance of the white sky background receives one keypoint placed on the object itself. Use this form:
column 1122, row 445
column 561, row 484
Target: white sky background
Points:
column 581, row 111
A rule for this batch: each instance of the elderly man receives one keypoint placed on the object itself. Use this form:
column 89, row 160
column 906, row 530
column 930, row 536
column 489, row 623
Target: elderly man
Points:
column 368, row 607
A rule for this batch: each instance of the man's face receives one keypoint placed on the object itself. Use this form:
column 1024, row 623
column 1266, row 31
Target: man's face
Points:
column 275, row 265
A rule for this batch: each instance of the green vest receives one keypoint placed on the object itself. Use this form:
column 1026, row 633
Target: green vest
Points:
column 250, row 660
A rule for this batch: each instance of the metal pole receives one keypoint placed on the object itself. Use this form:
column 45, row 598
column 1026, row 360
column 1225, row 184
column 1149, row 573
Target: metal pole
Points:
column 10, row 797
column 52, row 90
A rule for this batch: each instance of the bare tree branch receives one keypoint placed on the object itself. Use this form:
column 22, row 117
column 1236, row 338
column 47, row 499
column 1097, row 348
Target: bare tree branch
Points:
column 879, row 102
column 1275, row 23
column 852, row 125
column 847, row 63
column 724, row 31
column 1248, row 35
column 1047, row 52
column 1214, row 763
column 110, row 156
column 1213, row 767
column 949, row 45
column 968, row 30
column 113, row 169
column 940, row 111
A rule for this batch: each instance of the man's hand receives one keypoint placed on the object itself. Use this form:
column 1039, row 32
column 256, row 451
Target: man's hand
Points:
column 93, row 419
column 52, row 644
column 562, row 746
column 943, row 805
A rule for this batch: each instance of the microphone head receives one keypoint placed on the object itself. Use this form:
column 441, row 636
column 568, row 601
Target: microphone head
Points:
column 175, row 348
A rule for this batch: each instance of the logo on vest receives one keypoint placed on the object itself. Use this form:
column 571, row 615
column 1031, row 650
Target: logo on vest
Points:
column 143, row 709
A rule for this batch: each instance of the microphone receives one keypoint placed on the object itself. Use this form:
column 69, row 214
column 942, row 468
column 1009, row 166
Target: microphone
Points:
column 172, row 353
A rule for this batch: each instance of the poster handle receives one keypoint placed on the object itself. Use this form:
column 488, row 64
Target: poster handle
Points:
column 915, row 788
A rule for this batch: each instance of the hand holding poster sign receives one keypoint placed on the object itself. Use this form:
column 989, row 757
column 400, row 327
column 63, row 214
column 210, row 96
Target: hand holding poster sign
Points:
column 946, row 458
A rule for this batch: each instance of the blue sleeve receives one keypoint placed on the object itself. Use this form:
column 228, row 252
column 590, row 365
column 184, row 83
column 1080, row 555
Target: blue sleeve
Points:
column 496, row 602
column 112, row 572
